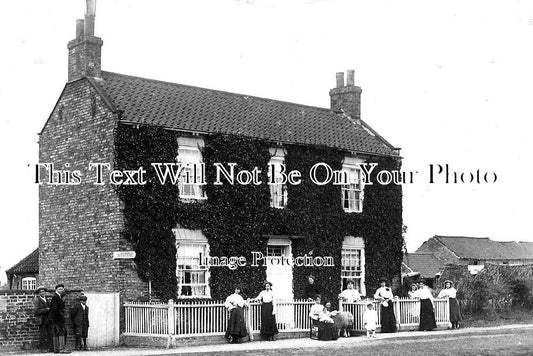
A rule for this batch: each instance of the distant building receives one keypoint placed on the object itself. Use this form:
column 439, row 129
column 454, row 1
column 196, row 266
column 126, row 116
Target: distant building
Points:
column 25, row 274
column 475, row 252
column 422, row 265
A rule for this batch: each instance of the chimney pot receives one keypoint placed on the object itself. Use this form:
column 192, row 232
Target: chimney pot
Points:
column 340, row 79
column 91, row 8
column 350, row 78
column 90, row 13
column 80, row 28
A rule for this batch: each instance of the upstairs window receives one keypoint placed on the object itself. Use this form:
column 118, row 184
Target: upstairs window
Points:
column 191, row 176
column 352, row 191
column 192, row 270
column 278, row 190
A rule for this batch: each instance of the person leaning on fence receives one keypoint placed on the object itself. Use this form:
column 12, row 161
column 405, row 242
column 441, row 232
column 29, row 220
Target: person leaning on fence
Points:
column 42, row 310
column 455, row 312
column 79, row 315
column 236, row 325
column 57, row 319
column 350, row 294
column 385, row 296
column 268, row 312
column 427, row 308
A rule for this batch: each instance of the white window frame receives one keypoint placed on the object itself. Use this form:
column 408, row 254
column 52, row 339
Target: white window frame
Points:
column 29, row 283
column 353, row 269
column 190, row 147
column 192, row 240
column 278, row 191
column 352, row 193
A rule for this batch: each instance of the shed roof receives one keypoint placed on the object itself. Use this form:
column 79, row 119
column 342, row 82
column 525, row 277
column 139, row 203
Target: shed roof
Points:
column 29, row 264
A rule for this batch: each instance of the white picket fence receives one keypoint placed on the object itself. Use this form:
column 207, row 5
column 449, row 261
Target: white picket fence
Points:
column 211, row 317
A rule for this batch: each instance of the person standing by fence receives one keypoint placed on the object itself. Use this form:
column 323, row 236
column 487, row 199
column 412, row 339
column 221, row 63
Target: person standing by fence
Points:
column 427, row 308
column 268, row 312
column 385, row 296
column 236, row 325
column 455, row 312
column 350, row 294
column 41, row 310
column 311, row 289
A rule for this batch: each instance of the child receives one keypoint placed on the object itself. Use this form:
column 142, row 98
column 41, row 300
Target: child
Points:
column 80, row 322
column 370, row 320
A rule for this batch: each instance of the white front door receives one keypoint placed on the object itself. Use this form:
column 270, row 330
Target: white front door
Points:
column 279, row 272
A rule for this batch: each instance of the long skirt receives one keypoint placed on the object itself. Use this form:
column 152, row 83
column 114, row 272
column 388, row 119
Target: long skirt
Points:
column 327, row 331
column 427, row 316
column 388, row 320
column 455, row 311
column 236, row 324
column 268, row 321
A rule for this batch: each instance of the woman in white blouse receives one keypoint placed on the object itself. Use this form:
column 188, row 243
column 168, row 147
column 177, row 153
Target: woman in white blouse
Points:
column 350, row 294
column 455, row 312
column 268, row 313
column 427, row 313
column 388, row 320
column 236, row 325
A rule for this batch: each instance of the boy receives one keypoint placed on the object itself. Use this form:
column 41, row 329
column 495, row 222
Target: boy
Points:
column 80, row 322
column 370, row 320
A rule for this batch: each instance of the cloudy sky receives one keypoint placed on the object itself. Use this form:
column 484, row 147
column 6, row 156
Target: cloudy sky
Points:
column 449, row 82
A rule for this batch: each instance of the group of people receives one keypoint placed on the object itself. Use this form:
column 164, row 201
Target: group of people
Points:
column 237, row 326
column 50, row 316
column 385, row 296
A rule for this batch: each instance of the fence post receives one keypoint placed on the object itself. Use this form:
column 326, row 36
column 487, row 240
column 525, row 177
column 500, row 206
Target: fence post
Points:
column 398, row 314
column 170, row 318
column 249, row 321
column 447, row 311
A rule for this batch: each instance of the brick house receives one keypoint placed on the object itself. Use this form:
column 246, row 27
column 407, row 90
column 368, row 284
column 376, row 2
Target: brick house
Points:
column 100, row 115
column 24, row 274
column 475, row 252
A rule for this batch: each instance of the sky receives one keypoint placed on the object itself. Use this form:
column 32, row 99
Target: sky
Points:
column 450, row 82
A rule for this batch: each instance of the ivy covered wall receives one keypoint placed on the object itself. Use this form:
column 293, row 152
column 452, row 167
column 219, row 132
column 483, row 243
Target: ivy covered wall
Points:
column 237, row 218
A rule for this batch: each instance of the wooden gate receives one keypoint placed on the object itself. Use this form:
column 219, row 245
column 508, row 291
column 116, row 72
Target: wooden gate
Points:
column 104, row 319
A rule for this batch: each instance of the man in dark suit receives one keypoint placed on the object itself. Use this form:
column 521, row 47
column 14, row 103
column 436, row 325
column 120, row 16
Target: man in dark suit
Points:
column 41, row 310
column 79, row 315
column 57, row 318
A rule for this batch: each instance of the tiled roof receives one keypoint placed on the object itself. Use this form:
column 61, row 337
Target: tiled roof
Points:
column 29, row 264
column 486, row 249
column 187, row 108
column 426, row 263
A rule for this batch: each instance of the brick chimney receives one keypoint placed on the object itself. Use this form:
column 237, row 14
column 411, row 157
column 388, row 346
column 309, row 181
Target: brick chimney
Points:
column 85, row 51
column 346, row 97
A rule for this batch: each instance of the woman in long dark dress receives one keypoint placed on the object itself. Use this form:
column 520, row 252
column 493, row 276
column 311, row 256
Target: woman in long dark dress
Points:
column 236, row 325
column 387, row 320
column 427, row 312
column 455, row 312
column 319, row 317
column 268, row 313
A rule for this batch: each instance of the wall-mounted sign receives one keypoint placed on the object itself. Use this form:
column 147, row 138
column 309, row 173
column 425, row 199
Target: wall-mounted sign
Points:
column 124, row 255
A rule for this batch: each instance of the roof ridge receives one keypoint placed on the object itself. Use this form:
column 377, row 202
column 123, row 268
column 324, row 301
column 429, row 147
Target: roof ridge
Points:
column 21, row 262
column 225, row 92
